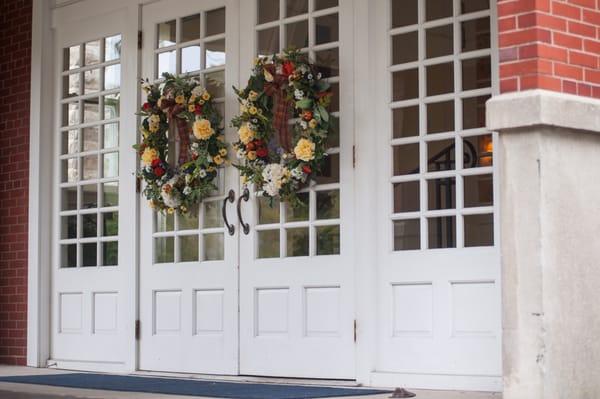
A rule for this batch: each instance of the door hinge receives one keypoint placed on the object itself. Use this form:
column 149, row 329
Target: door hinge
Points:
column 140, row 35
column 353, row 156
column 138, row 330
column 138, row 184
column 354, row 330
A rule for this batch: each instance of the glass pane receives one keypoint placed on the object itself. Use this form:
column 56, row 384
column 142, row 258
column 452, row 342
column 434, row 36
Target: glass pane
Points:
column 190, row 59
column 405, row 121
column 90, row 138
column 474, row 112
column 328, row 204
column 110, row 194
column 69, row 199
column 70, row 142
column 89, row 196
column 91, row 110
column 407, row 234
column 68, row 227
column 440, row 155
column 405, row 48
column 268, row 10
column 72, row 57
column 295, row 7
column 405, row 84
column 299, row 213
column 475, row 34
column 442, row 232
column 441, row 193
column 474, row 5
column 111, row 135
column 435, row 9
column 268, row 41
column 110, row 163
column 110, row 222
column 164, row 222
column 328, row 240
column 328, row 62
column 92, row 52
column 68, row 255
column 70, row 172
column 215, row 83
column 406, row 159
column 89, row 225
column 327, row 29
column 479, row 151
column 190, row 28
column 70, row 114
column 163, row 249
column 166, row 33
column 71, row 85
column 439, row 41
column 166, row 63
column 213, row 246
column 334, row 106
column 440, row 117
column 476, row 73
column 297, row 242
column 110, row 253
column 112, row 77
column 111, row 106
column 479, row 190
column 440, row 79
column 215, row 22
column 333, row 139
column 268, row 243
column 406, row 197
column 404, row 12
column 323, row 4
column 188, row 221
column 479, row 230
column 112, row 48
column 296, row 35
column 91, row 81
column 330, row 171
column 215, row 53
column 267, row 212
column 188, row 248
column 212, row 214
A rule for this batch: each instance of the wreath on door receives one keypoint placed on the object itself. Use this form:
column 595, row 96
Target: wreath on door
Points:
column 280, row 162
column 179, row 113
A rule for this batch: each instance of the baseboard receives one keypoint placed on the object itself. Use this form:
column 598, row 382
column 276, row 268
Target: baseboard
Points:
column 83, row 365
column 436, row 381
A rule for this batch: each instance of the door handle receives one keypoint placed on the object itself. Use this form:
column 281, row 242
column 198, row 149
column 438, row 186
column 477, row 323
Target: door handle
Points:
column 245, row 196
column 230, row 197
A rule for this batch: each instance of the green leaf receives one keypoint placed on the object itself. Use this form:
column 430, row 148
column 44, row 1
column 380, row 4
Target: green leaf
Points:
column 323, row 112
column 304, row 103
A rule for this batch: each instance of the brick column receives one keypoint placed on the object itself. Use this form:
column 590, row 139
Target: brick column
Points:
column 550, row 44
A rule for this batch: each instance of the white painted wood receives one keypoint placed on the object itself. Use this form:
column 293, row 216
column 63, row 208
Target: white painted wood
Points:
column 189, row 310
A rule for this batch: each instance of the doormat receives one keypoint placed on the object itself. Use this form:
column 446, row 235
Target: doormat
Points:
column 173, row 386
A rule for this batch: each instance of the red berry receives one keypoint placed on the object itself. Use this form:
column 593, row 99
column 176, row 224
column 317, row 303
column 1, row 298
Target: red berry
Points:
column 159, row 171
column 306, row 169
column 155, row 163
column 262, row 152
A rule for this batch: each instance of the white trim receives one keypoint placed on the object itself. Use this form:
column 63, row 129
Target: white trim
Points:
column 437, row 381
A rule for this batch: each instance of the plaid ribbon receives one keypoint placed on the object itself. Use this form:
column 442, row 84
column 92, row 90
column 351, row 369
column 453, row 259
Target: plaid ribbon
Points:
column 282, row 105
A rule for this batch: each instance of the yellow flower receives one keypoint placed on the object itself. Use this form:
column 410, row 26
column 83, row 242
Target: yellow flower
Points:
column 252, row 96
column 253, row 110
column 305, row 150
column 171, row 211
column 149, row 155
column 246, row 134
column 206, row 96
column 180, row 99
column 243, row 108
column 217, row 159
column 144, row 132
column 153, row 123
column 191, row 107
column 192, row 99
column 243, row 179
column 210, row 169
column 201, row 102
column 202, row 129
column 223, row 152
column 313, row 123
column 183, row 208
column 152, row 204
column 251, row 155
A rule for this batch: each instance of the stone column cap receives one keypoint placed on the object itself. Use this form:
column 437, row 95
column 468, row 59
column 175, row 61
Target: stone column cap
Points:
column 542, row 107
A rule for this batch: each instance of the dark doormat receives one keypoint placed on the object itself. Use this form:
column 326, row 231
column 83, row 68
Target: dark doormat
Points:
column 172, row 386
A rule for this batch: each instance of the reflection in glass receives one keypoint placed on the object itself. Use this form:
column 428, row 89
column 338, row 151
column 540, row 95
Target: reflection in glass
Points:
column 72, row 57
column 436, row 9
column 327, row 29
column 166, row 34
column 297, row 241
column 479, row 151
column 166, row 63
column 440, row 155
column 69, row 170
column 110, row 194
column 439, row 41
column 440, row 79
column 68, row 227
column 407, row 234
column 110, row 253
column 404, row 12
column 440, row 117
column 89, row 225
column 71, row 85
column 68, row 199
column 68, row 255
column 92, row 52
column 328, row 240
column 406, row 159
column 323, row 4
column 267, row 212
column 91, row 110
column 405, row 122
column 405, row 84
column 212, row 214
column 90, row 138
column 330, row 170
column 441, row 193
column 215, row 53
column 476, row 73
column 188, row 248
column 110, row 162
column 112, row 77
column 474, row 112
column 328, row 62
column 164, row 222
column 112, row 106
column 215, row 83
column 215, row 22
column 475, row 34
column 328, row 204
column 190, row 28
column 268, row 243
column 295, row 7
column 296, row 34
column 479, row 230
column 406, row 197
column 112, row 48
column 89, row 196
column 267, row 41
column 442, row 232
column 163, row 250
column 91, row 81
column 70, row 142
column 70, row 114
column 468, row 6
column 188, row 221
column 111, row 135
column 190, row 59
column 479, row 190
column 213, row 246
column 110, row 223
column 268, row 10
column 405, row 48
column 299, row 213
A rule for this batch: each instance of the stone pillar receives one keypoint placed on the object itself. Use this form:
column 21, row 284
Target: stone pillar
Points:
column 549, row 169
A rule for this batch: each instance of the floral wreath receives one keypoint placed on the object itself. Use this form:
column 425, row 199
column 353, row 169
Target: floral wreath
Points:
column 278, row 163
column 182, row 105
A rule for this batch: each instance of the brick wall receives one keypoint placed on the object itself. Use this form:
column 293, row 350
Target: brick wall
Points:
column 15, row 60
column 550, row 44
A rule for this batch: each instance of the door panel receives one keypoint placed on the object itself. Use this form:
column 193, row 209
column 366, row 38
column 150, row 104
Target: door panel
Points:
column 188, row 268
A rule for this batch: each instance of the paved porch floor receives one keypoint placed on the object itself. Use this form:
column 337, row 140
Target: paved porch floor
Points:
column 26, row 391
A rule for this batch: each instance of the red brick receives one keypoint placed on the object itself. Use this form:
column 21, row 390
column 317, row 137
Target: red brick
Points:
column 568, row 71
column 524, row 36
column 540, row 82
column 592, row 46
column 582, row 29
column 592, row 76
column 583, row 59
column 569, row 86
column 507, row 24
column 515, row 7
column 565, row 40
column 585, row 3
column 527, row 67
column 591, row 17
column 543, row 51
column 509, row 85
column 566, row 10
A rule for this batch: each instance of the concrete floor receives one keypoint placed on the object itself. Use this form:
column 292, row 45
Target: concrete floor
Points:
column 27, row 391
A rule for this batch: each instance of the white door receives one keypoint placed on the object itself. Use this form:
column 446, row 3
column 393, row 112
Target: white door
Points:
column 188, row 265
column 92, row 325
column 438, row 277
column 296, row 266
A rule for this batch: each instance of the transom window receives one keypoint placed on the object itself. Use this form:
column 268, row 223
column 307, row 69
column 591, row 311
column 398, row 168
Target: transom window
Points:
column 313, row 27
column 89, row 157
column 442, row 155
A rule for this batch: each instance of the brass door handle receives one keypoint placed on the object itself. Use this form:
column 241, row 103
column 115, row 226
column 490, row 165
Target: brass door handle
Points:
column 230, row 197
column 245, row 196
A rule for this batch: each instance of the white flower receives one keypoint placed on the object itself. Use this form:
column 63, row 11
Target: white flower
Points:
column 298, row 94
column 187, row 190
column 297, row 173
column 319, row 75
column 148, row 169
column 241, row 154
column 197, row 91
column 274, row 176
column 310, row 76
column 304, row 125
column 202, row 173
column 169, row 193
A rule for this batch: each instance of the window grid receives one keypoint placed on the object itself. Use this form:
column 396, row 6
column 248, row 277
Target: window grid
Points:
column 311, row 222
column 424, row 216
